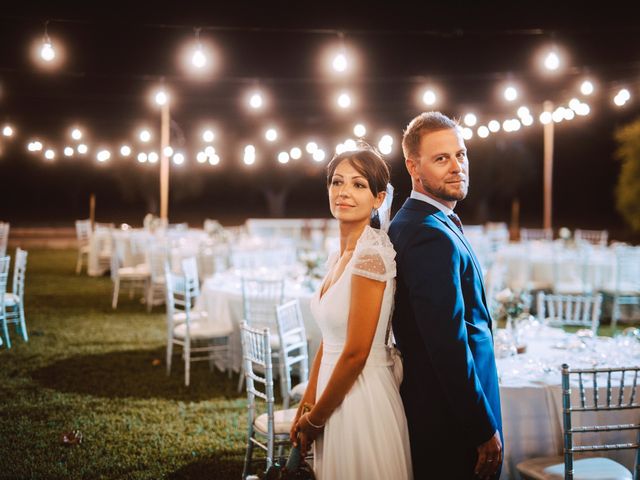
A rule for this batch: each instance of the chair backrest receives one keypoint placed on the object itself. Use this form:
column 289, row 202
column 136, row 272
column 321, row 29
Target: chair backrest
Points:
column 570, row 310
column 293, row 341
column 190, row 272
column 5, row 261
column 178, row 298
column 595, row 237
column 260, row 297
column 157, row 257
column 83, row 232
column 4, row 238
column 258, row 372
column 535, row 234
column 19, row 271
column 627, row 270
column 620, row 386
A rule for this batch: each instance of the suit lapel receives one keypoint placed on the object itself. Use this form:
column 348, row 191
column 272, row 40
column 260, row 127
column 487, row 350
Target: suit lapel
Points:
column 413, row 204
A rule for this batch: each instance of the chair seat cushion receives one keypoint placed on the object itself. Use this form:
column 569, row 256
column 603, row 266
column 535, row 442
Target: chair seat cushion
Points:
column 282, row 421
column 137, row 272
column 552, row 468
column 11, row 299
column 298, row 391
column 199, row 328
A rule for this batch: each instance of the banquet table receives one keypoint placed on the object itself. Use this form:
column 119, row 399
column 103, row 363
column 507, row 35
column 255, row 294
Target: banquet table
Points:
column 136, row 242
column 545, row 263
column 531, row 394
column 221, row 298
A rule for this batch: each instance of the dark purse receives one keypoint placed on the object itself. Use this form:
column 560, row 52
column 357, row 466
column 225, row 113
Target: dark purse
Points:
column 296, row 468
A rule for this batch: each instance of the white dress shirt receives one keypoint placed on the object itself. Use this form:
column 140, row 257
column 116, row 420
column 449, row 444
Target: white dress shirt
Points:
column 425, row 198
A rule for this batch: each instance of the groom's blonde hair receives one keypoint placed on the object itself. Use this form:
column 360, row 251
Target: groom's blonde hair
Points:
column 426, row 122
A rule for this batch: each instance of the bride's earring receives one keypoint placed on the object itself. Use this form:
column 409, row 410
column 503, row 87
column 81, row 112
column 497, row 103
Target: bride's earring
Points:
column 375, row 218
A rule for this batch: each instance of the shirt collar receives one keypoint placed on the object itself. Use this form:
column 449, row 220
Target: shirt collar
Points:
column 425, row 198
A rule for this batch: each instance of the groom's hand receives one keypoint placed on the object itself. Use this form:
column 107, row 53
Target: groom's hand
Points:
column 489, row 457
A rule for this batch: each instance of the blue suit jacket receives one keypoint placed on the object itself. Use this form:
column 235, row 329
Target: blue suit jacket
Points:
column 443, row 328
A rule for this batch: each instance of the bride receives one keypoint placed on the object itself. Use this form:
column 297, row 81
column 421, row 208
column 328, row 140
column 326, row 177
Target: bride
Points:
column 351, row 410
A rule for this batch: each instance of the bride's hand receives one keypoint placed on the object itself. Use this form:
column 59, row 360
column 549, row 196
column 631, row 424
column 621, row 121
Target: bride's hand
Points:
column 293, row 433
column 307, row 432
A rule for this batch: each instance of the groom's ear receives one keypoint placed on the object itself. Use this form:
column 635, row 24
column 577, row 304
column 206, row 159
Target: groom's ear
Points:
column 411, row 165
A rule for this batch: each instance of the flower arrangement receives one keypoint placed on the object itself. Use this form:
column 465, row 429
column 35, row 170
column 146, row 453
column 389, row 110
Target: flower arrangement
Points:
column 512, row 304
column 313, row 262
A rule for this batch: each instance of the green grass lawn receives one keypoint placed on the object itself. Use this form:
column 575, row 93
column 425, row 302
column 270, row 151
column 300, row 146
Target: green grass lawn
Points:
column 91, row 368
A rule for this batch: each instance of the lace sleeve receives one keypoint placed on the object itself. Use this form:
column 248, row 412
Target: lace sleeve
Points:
column 374, row 256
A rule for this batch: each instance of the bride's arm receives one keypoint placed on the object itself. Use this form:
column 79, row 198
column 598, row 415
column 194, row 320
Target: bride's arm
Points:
column 309, row 396
column 364, row 311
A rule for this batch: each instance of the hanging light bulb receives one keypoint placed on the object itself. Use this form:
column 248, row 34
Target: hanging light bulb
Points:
column 47, row 52
column 552, row 61
column 339, row 62
column 198, row 58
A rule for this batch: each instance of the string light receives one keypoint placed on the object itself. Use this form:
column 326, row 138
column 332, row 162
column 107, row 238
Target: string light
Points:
column 494, row 126
column 7, row 131
column 47, row 52
column 470, row 119
column 586, row 87
column 283, row 157
column 49, row 154
column 208, row 136
column 249, row 155
column 359, row 130
column 201, row 157
column 161, row 97
column 103, row 155
column 622, row 97
column 344, row 100
column 142, row 157
column 255, row 100
column 125, row 150
column 552, row 61
column 153, row 157
column 319, row 155
column 483, row 131
column 76, row 134
column 295, row 153
column 178, row 158
column 82, row 149
column 145, row 136
column 510, row 93
column 68, row 151
column 429, row 97
column 271, row 134
column 311, row 147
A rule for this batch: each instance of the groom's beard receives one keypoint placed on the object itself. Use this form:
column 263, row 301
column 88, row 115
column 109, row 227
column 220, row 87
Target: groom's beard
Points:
column 445, row 191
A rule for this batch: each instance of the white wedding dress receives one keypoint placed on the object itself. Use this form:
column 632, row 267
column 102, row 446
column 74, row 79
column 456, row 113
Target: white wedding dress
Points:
column 366, row 437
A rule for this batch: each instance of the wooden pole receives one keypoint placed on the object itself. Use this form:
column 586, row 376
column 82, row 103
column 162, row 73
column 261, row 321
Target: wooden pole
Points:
column 515, row 220
column 548, row 167
column 164, row 163
column 92, row 209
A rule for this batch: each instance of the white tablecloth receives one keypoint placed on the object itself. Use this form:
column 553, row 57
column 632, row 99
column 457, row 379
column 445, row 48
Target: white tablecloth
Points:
column 533, row 262
column 531, row 395
column 221, row 298
column 137, row 242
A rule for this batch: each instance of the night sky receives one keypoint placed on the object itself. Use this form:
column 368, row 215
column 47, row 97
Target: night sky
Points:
column 114, row 57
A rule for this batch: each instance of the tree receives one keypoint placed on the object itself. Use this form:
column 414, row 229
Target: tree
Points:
column 628, row 187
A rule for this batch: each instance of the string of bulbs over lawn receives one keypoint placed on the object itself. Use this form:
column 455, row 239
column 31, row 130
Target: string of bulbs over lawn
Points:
column 199, row 59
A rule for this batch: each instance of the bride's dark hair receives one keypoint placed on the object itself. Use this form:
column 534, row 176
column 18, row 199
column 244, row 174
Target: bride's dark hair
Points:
column 368, row 163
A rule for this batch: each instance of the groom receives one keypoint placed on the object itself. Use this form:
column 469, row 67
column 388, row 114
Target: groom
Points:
column 441, row 322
